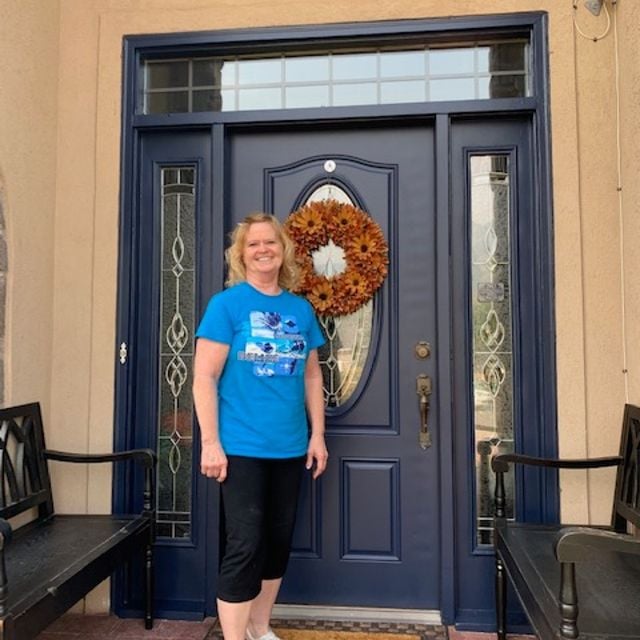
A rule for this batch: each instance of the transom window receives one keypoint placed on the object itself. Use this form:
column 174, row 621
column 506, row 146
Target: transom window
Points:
column 425, row 74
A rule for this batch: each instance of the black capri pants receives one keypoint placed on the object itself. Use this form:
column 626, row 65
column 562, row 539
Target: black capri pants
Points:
column 259, row 501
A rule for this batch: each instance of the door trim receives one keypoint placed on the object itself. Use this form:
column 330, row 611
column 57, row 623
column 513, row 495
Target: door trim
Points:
column 533, row 24
column 445, row 383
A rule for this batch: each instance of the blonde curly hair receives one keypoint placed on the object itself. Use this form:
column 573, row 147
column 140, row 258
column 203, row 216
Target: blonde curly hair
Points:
column 289, row 271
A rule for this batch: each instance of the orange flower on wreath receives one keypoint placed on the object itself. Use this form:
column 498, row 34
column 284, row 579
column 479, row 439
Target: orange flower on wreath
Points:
column 365, row 250
column 361, row 248
column 321, row 296
column 355, row 284
column 342, row 223
column 308, row 226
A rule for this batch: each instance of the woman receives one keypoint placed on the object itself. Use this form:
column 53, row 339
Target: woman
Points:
column 257, row 380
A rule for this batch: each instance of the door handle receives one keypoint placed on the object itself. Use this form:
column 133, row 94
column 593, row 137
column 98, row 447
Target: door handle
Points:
column 423, row 389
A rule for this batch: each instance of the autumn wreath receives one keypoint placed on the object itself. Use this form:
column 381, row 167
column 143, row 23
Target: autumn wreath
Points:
column 366, row 255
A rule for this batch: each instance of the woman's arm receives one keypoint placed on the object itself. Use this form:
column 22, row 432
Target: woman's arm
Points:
column 314, row 397
column 208, row 365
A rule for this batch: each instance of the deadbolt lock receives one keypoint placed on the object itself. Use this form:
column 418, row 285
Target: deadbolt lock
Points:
column 423, row 350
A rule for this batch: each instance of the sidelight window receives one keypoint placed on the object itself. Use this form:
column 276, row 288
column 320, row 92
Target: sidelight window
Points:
column 175, row 351
column 491, row 312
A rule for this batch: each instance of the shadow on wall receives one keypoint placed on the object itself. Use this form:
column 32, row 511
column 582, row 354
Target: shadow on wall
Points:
column 3, row 284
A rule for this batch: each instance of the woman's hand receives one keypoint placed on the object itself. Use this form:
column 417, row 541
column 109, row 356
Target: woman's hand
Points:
column 317, row 451
column 213, row 461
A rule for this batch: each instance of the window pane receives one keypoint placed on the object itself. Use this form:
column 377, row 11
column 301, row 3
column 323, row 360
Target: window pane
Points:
column 501, row 87
column 395, row 64
column 260, row 71
column 344, row 355
column 175, row 351
column 306, row 68
column 207, row 100
column 164, row 75
column 452, row 89
column 259, row 99
column 491, row 310
column 207, row 73
column 228, row 100
column 170, row 102
column 187, row 176
column 451, row 61
column 306, row 97
column 354, row 67
column 228, row 73
column 505, row 56
column 349, row 94
column 394, row 92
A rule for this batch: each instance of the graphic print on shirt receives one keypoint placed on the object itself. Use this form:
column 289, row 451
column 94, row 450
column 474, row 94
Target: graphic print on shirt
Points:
column 274, row 345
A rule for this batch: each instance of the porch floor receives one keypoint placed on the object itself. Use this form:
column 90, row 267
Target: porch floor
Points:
column 92, row 627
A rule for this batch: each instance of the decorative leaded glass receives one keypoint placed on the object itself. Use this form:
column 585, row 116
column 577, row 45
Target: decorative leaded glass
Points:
column 343, row 356
column 175, row 421
column 491, row 307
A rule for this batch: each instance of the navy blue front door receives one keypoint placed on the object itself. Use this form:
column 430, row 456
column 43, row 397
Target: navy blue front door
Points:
column 368, row 531
column 371, row 531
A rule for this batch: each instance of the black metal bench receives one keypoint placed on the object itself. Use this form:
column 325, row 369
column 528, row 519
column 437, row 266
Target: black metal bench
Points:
column 574, row 581
column 49, row 563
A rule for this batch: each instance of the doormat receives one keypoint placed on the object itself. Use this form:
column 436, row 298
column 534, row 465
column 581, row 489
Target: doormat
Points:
column 348, row 630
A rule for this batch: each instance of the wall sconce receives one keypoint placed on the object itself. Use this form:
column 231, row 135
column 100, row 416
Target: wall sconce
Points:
column 594, row 6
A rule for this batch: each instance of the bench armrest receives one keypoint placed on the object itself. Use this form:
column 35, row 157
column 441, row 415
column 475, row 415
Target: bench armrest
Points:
column 146, row 457
column 500, row 465
column 580, row 543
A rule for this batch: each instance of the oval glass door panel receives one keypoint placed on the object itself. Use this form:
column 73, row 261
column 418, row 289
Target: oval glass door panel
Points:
column 345, row 353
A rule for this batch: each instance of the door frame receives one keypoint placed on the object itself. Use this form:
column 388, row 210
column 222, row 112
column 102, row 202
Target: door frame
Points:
column 533, row 25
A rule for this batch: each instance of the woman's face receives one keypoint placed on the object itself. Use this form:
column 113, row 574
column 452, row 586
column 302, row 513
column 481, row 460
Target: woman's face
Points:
column 263, row 252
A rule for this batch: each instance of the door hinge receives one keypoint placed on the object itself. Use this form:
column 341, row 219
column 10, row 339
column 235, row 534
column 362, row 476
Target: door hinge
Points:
column 123, row 353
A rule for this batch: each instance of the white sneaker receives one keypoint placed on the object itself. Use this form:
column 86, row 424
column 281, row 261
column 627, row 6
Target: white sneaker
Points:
column 267, row 636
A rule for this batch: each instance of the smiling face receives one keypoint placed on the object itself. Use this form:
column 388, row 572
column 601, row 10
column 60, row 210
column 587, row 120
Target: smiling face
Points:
column 263, row 252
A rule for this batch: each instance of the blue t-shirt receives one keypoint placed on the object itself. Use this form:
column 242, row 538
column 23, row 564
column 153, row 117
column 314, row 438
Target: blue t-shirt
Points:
column 261, row 393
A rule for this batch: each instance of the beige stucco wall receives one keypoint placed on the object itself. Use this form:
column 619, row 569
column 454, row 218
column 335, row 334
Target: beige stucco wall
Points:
column 63, row 159
column 28, row 137
column 630, row 194
column 607, row 148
